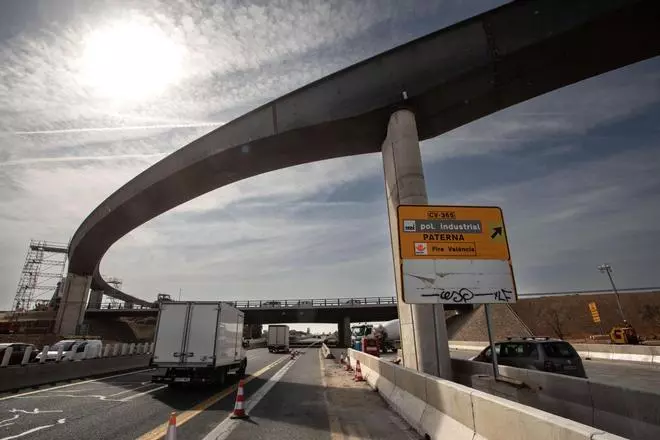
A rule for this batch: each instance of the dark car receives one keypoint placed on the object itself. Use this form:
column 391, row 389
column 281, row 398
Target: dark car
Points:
column 543, row 354
column 18, row 351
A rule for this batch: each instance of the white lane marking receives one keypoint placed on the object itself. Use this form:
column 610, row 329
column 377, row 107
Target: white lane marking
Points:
column 34, row 411
column 225, row 428
column 72, row 384
column 129, row 390
column 126, row 399
column 105, row 398
column 2, row 422
column 95, row 396
column 30, row 431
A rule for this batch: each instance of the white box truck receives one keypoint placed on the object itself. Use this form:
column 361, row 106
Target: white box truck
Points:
column 278, row 338
column 198, row 342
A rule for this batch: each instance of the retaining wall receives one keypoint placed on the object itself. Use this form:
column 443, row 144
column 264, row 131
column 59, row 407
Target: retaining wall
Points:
column 441, row 409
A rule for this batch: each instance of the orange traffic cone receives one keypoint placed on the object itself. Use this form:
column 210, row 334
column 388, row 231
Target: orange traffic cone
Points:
column 358, row 372
column 171, row 427
column 239, row 408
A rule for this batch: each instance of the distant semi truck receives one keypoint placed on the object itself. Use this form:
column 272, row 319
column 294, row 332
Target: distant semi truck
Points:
column 387, row 334
column 198, row 342
column 278, row 338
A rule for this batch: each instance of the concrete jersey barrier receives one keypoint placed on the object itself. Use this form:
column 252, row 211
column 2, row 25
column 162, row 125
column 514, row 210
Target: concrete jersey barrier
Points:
column 17, row 377
column 628, row 412
column 112, row 358
column 645, row 354
column 441, row 409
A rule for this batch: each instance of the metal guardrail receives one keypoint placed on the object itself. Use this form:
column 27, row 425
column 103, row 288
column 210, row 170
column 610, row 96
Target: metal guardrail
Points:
column 121, row 306
column 269, row 304
column 303, row 303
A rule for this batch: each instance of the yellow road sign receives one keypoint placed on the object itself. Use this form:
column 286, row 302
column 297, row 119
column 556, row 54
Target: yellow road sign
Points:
column 594, row 312
column 452, row 232
column 454, row 255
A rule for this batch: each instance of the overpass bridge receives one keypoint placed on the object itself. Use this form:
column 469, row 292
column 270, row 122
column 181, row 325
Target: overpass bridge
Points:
column 327, row 310
column 340, row 311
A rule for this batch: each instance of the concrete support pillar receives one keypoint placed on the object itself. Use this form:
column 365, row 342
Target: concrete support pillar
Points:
column 71, row 311
column 423, row 328
column 129, row 305
column 344, row 332
column 95, row 299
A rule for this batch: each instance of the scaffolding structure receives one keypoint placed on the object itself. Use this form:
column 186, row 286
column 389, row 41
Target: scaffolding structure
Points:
column 116, row 283
column 42, row 275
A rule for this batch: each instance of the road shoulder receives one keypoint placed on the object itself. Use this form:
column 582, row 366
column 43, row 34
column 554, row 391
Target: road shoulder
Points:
column 357, row 411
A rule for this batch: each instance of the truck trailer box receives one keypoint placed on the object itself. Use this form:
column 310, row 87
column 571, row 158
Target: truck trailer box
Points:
column 198, row 341
column 278, row 338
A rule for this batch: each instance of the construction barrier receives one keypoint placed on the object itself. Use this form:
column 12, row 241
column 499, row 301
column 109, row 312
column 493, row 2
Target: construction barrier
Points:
column 239, row 406
column 34, row 374
column 325, row 351
column 441, row 409
column 370, row 345
column 171, row 427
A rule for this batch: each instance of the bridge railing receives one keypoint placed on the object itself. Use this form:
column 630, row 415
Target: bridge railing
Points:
column 312, row 303
column 119, row 306
column 274, row 303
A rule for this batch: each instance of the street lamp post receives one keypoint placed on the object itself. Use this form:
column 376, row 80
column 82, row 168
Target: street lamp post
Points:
column 606, row 268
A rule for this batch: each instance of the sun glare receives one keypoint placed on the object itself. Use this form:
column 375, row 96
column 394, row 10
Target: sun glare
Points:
column 130, row 61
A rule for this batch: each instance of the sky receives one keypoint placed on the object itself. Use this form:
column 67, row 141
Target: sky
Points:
column 94, row 92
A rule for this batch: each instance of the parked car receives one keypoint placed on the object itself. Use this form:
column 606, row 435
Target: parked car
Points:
column 543, row 354
column 353, row 301
column 93, row 350
column 18, row 351
column 271, row 304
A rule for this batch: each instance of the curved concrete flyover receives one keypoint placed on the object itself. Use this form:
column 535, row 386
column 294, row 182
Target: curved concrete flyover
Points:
column 451, row 77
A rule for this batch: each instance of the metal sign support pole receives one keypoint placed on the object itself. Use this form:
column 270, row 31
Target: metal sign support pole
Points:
column 492, row 344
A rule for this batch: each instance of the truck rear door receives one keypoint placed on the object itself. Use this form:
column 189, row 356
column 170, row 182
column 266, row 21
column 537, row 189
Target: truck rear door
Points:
column 170, row 333
column 203, row 322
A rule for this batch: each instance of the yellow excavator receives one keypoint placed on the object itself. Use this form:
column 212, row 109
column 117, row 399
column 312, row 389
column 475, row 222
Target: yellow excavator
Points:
column 624, row 334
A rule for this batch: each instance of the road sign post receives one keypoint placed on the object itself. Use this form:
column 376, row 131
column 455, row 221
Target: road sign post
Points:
column 496, row 370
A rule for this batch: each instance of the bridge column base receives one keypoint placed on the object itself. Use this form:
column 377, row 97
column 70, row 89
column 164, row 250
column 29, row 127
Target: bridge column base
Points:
column 95, row 299
column 344, row 332
column 71, row 311
column 424, row 341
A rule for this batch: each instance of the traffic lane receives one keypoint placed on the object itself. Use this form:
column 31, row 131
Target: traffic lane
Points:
column 113, row 408
column 204, row 422
column 294, row 409
column 200, row 419
column 624, row 374
column 618, row 373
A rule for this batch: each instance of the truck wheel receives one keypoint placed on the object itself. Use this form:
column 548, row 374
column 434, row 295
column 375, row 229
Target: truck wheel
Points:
column 241, row 371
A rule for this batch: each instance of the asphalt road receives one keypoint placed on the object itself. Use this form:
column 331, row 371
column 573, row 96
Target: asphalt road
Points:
column 626, row 374
column 305, row 398
column 126, row 406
